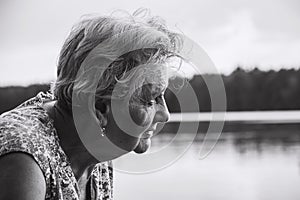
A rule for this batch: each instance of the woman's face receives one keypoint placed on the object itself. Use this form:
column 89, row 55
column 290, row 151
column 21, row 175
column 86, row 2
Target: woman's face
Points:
column 147, row 108
column 151, row 109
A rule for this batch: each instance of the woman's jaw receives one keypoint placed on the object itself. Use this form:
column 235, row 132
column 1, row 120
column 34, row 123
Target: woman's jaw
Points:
column 143, row 145
column 144, row 142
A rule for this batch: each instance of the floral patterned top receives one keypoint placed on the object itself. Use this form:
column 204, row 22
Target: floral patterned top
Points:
column 29, row 129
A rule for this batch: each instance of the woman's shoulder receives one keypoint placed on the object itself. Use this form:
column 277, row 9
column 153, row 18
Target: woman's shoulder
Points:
column 21, row 178
column 28, row 129
column 29, row 113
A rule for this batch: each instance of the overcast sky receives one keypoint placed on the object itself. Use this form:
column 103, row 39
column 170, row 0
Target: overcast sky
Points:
column 235, row 32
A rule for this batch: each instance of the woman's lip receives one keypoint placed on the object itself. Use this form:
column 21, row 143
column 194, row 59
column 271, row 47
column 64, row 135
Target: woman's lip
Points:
column 151, row 129
column 147, row 134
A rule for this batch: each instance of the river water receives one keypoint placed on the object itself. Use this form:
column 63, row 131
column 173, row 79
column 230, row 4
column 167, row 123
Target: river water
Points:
column 262, row 165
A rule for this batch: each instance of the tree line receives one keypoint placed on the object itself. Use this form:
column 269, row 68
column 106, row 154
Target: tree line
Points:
column 245, row 91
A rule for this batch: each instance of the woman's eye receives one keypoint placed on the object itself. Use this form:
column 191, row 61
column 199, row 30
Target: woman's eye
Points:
column 155, row 100
column 148, row 102
column 151, row 102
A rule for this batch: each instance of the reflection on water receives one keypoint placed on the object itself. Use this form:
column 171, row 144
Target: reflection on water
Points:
column 248, row 166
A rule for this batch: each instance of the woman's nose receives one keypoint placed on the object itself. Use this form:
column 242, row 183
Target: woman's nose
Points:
column 162, row 114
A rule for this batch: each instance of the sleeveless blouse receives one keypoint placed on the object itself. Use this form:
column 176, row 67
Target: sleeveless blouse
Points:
column 29, row 129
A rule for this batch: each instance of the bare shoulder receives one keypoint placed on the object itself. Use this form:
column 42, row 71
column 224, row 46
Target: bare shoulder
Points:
column 21, row 178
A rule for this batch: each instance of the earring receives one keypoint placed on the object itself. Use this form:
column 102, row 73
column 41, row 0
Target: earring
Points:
column 101, row 122
column 102, row 131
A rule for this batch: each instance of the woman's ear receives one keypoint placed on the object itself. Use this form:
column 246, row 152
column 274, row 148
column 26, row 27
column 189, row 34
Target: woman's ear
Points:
column 102, row 111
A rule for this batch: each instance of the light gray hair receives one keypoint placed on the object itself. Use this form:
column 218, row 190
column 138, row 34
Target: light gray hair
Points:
column 144, row 31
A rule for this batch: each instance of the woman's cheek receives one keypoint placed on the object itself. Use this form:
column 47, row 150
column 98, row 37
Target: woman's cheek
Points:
column 140, row 115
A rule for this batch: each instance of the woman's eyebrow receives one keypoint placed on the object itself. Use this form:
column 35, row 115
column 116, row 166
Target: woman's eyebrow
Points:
column 157, row 90
column 152, row 90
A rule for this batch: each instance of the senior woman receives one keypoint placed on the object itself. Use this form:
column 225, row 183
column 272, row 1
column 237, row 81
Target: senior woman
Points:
column 42, row 152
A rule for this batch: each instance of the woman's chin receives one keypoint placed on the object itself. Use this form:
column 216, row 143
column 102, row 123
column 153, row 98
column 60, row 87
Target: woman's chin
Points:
column 143, row 146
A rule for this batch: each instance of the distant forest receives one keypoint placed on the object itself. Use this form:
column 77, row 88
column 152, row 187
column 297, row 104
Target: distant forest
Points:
column 245, row 91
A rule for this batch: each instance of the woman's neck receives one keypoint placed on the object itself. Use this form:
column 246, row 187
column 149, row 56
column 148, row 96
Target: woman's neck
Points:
column 81, row 160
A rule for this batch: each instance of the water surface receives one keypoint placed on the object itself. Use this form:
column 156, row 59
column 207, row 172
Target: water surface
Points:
column 243, row 165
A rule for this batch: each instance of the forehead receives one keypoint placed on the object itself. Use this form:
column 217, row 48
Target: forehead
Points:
column 150, row 79
column 152, row 89
column 154, row 77
column 155, row 74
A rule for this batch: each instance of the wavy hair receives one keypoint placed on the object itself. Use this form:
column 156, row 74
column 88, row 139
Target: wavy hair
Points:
column 115, row 34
